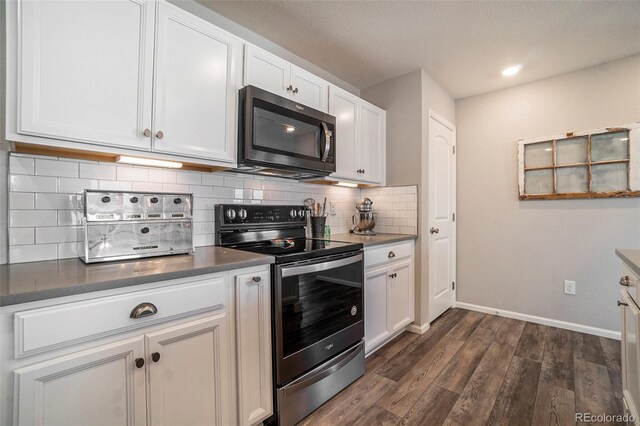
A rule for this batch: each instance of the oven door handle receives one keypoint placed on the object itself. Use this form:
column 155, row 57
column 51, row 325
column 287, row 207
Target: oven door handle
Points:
column 327, row 142
column 325, row 370
column 317, row 267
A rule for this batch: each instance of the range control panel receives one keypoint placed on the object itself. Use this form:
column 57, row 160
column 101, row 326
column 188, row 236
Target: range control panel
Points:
column 237, row 214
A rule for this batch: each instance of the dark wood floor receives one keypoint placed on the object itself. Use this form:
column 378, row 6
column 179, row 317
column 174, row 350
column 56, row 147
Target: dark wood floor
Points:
column 471, row 368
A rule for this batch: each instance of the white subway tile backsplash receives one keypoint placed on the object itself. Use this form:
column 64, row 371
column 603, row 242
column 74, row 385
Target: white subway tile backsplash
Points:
column 189, row 178
column 233, row 182
column 69, row 250
column 64, row 234
column 147, row 186
column 162, row 176
column 21, row 201
column 21, row 165
column 32, row 218
column 56, row 168
column 132, row 173
column 33, row 253
column 56, row 201
column 25, row 183
column 21, row 236
column 97, row 171
column 212, row 179
column 174, row 187
column 69, row 217
column 74, row 186
column 115, row 185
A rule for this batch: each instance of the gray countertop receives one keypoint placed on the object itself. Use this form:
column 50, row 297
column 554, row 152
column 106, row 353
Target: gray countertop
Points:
column 631, row 257
column 373, row 240
column 28, row 282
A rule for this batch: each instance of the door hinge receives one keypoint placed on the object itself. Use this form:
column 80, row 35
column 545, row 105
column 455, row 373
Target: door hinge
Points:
column 454, row 149
column 453, row 285
column 454, row 217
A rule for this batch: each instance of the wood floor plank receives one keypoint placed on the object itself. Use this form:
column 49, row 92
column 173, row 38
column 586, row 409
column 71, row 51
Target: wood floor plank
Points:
column 593, row 389
column 555, row 406
column 510, row 331
column 587, row 347
column 557, row 361
column 516, row 400
column 432, row 408
column 397, row 345
column 463, row 329
column 476, row 400
column 492, row 322
column 457, row 372
column 400, row 364
column 612, row 356
column 404, row 394
column 532, row 340
column 376, row 415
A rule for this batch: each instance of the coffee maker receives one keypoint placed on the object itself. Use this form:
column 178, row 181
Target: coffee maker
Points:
column 365, row 220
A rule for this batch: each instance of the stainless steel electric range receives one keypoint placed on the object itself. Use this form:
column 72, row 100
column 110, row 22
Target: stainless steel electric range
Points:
column 317, row 304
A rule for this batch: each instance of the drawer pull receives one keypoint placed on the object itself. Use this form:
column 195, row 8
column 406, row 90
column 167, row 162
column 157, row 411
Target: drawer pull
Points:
column 625, row 281
column 144, row 310
column 257, row 279
column 155, row 357
column 622, row 303
column 391, row 255
column 139, row 362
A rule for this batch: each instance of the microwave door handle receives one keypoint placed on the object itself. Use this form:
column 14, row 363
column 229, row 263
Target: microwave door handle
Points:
column 317, row 267
column 327, row 142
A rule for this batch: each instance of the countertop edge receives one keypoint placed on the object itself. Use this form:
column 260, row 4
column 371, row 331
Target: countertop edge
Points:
column 633, row 264
column 371, row 241
column 36, row 296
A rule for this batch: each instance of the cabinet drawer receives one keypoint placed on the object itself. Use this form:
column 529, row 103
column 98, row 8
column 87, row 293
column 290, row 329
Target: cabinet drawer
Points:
column 387, row 254
column 633, row 289
column 43, row 329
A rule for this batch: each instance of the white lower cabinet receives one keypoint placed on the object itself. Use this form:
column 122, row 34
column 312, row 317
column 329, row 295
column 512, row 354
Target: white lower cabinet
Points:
column 630, row 353
column 389, row 289
column 206, row 363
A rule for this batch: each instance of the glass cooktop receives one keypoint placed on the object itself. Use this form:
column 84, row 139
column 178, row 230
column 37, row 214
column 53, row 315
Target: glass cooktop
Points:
column 292, row 250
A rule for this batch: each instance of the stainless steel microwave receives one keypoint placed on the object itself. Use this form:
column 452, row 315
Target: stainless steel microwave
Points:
column 280, row 137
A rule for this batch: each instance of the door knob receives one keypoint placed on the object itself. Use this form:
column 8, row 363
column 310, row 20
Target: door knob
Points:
column 434, row 230
column 622, row 303
column 155, row 357
column 147, row 132
column 295, row 90
column 391, row 255
column 160, row 134
column 139, row 362
column 256, row 279
column 290, row 88
column 625, row 281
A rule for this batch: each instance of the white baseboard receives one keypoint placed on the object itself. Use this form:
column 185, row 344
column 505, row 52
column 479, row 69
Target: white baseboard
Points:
column 541, row 320
column 418, row 329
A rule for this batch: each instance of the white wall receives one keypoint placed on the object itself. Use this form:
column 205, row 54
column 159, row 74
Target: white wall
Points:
column 514, row 255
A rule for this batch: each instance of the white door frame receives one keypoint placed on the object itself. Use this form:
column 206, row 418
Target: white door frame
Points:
column 437, row 117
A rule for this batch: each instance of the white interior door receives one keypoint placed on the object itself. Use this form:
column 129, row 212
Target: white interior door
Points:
column 441, row 226
column 195, row 87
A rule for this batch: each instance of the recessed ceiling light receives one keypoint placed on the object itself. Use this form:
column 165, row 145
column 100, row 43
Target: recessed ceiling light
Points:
column 512, row 70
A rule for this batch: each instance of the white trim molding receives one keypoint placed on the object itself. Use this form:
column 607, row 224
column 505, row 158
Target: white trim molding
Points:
column 611, row 334
column 418, row 329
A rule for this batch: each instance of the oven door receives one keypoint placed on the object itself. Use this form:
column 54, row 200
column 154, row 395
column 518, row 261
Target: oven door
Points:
column 318, row 308
column 278, row 132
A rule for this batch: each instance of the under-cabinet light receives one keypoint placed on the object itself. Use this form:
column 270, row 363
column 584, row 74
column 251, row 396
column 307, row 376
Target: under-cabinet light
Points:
column 347, row 184
column 148, row 162
column 511, row 71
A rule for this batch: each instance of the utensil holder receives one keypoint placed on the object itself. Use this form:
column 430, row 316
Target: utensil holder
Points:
column 317, row 226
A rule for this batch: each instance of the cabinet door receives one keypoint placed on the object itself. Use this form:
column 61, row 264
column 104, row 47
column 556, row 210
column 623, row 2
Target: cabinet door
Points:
column 376, row 317
column 400, row 295
column 345, row 107
column 266, row 71
column 372, row 143
column 191, row 381
column 311, row 90
column 85, row 70
column 100, row 386
column 253, row 336
column 195, row 87
column 630, row 353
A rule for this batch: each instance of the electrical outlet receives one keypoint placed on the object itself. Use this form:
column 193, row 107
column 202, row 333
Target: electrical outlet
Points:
column 570, row 287
column 332, row 208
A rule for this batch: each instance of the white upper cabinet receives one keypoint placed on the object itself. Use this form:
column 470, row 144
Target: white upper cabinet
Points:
column 195, row 87
column 360, row 138
column 84, row 70
column 273, row 74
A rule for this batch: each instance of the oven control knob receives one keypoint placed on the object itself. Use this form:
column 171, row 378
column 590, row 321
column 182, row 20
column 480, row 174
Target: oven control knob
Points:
column 301, row 213
column 242, row 213
column 231, row 214
column 293, row 213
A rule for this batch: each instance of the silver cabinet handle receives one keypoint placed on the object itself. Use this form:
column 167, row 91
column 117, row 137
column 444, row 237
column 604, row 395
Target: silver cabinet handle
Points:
column 391, row 255
column 160, row 134
column 290, row 88
column 327, row 141
column 295, row 90
column 256, row 279
column 434, row 230
column 625, row 281
column 145, row 309
column 147, row 133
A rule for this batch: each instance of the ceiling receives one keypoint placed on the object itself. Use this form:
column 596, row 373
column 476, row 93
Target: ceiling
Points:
column 462, row 45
